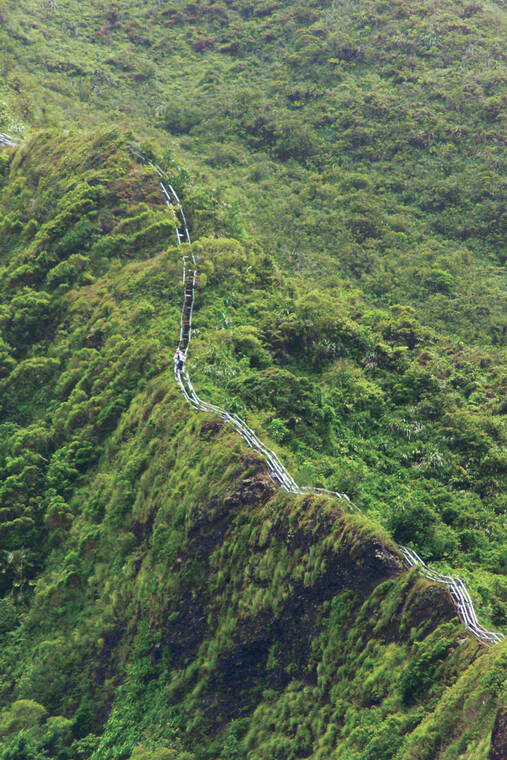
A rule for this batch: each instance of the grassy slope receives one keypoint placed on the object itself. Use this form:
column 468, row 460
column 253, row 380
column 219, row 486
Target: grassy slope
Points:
column 362, row 140
column 373, row 167
column 158, row 597
column 362, row 143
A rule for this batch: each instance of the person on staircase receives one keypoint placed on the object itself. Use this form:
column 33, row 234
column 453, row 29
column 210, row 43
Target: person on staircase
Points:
column 179, row 359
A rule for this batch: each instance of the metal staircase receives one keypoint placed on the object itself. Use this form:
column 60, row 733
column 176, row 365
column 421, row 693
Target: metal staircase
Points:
column 9, row 141
column 278, row 472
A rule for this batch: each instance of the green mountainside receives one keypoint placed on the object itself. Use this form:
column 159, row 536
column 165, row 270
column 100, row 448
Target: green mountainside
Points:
column 160, row 598
column 362, row 141
column 340, row 168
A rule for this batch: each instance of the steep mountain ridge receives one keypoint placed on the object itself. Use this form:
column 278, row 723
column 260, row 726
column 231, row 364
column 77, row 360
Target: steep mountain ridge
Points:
column 166, row 601
column 278, row 472
column 341, row 168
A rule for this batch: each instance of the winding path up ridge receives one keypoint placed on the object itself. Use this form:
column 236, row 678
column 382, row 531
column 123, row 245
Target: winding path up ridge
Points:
column 457, row 589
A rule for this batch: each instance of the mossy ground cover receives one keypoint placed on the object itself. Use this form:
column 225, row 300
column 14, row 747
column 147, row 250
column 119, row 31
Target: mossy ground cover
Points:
column 340, row 165
column 361, row 142
column 159, row 599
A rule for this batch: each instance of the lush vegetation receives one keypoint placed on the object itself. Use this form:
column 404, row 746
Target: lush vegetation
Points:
column 340, row 168
column 362, row 141
column 158, row 596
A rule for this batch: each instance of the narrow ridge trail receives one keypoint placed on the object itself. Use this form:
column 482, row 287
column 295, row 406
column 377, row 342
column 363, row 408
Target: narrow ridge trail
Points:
column 457, row 589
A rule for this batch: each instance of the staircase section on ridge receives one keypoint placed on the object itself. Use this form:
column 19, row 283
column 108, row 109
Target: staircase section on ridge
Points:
column 278, row 472
column 10, row 142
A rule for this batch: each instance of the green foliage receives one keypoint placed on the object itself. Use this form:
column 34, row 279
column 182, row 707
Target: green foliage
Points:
column 157, row 600
column 363, row 140
column 27, row 731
